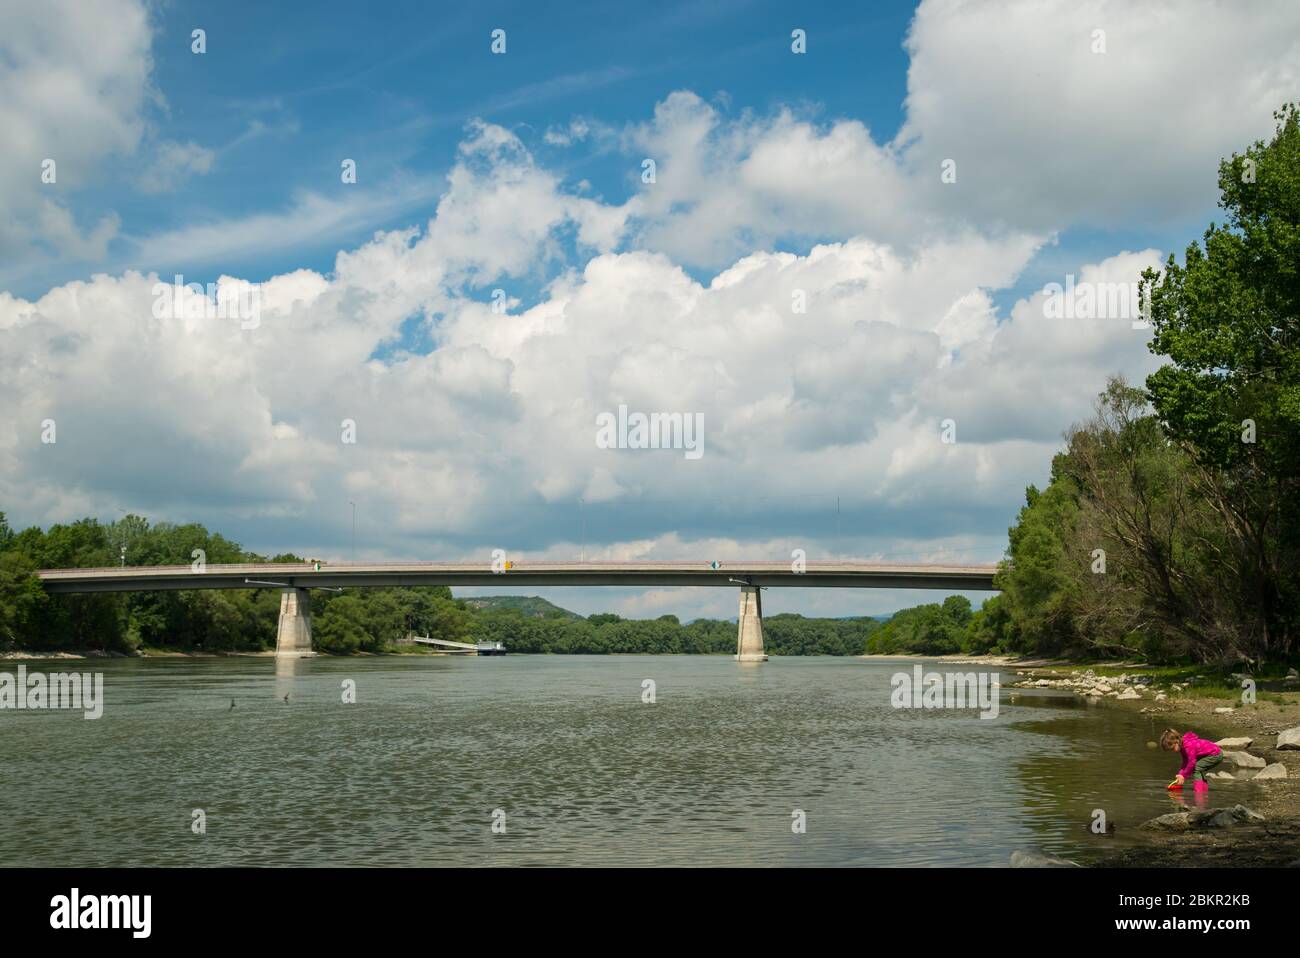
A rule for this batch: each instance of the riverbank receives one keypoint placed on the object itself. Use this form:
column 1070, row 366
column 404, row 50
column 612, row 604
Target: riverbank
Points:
column 1185, row 699
column 1017, row 661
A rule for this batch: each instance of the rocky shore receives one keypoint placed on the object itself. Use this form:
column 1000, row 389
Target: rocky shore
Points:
column 1260, row 740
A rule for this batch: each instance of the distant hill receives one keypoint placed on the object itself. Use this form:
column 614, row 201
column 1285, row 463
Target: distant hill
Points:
column 531, row 606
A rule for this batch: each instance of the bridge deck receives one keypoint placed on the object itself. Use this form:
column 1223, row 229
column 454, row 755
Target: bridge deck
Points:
column 534, row 574
column 445, row 643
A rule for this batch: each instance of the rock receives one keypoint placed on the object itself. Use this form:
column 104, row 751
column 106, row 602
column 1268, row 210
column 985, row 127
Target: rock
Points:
column 1227, row 775
column 1292, row 674
column 1276, row 770
column 1244, row 759
column 1222, row 711
column 1289, row 739
column 1174, row 821
column 1224, row 817
column 1241, row 742
column 1210, row 818
column 1160, row 696
column 1128, row 694
column 1153, row 744
column 1037, row 859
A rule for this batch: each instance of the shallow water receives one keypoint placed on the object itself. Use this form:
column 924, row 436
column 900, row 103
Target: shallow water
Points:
column 584, row 771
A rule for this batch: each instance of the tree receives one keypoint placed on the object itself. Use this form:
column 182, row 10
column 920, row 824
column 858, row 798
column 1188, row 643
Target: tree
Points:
column 24, row 606
column 1229, row 321
column 341, row 627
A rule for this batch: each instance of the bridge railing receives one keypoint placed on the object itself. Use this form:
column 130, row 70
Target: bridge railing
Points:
column 294, row 568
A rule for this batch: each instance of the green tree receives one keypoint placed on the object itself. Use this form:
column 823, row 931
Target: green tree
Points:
column 342, row 627
column 1228, row 319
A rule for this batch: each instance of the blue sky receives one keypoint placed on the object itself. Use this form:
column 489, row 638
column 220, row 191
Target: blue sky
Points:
column 776, row 171
column 282, row 98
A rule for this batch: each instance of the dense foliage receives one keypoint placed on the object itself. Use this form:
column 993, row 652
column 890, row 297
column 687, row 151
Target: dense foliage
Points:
column 1229, row 321
column 931, row 629
column 607, row 633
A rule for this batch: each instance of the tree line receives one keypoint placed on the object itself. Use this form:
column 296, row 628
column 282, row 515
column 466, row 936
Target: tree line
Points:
column 606, row 633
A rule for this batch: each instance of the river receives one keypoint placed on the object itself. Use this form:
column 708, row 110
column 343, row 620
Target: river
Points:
column 564, row 755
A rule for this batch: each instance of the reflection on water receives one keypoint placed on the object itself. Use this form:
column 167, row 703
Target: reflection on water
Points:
column 709, row 774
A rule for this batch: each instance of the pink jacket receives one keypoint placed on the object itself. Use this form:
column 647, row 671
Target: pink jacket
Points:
column 1194, row 748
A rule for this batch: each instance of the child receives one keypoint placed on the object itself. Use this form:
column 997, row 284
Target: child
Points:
column 1199, row 756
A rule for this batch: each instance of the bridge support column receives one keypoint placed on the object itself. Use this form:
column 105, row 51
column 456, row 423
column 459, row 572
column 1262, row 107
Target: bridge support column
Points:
column 294, row 635
column 749, row 637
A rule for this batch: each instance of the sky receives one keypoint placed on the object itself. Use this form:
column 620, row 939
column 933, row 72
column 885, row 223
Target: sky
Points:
column 826, row 232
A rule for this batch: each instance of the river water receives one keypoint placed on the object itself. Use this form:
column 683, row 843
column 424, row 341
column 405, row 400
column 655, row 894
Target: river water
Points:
column 562, row 752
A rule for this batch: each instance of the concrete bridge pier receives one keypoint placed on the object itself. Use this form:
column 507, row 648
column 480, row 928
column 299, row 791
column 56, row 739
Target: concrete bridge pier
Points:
column 749, row 637
column 293, row 638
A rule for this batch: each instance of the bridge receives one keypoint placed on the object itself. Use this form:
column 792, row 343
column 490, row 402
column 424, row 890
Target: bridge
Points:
column 296, row 579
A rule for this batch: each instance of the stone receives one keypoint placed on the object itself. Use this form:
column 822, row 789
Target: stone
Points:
column 1223, row 711
column 1160, row 696
column 1239, row 742
column 1210, row 818
column 1128, row 694
column 1227, row 775
column 1036, row 859
column 1289, row 739
column 1244, row 759
column 1222, row 817
column 1174, row 821
column 1276, row 770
